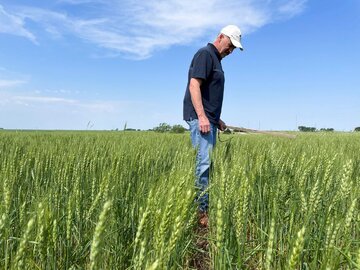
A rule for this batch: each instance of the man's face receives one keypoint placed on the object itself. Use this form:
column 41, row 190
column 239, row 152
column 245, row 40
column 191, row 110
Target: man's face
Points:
column 226, row 47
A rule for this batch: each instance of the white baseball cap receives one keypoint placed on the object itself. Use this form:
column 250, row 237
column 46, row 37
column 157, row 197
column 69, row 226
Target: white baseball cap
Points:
column 234, row 33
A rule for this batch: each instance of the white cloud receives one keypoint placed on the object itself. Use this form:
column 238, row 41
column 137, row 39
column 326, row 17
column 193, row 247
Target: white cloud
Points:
column 10, row 79
column 138, row 28
column 77, row 2
column 42, row 99
column 12, row 24
column 10, row 83
column 292, row 8
column 29, row 110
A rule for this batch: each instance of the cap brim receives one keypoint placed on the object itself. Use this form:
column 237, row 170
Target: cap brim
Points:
column 236, row 43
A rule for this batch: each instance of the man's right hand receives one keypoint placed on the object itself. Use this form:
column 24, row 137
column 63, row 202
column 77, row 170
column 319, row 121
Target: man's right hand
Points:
column 204, row 124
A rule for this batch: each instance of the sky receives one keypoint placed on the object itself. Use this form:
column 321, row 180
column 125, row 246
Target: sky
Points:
column 103, row 65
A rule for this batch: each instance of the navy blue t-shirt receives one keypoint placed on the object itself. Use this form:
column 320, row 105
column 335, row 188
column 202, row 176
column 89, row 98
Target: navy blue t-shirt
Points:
column 206, row 65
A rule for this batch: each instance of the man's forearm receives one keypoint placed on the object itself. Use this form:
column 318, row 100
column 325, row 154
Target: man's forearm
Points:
column 196, row 98
column 195, row 93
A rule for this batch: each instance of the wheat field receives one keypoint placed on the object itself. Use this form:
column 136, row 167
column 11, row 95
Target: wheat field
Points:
column 125, row 200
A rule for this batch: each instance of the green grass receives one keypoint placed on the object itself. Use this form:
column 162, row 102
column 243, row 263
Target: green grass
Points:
column 125, row 200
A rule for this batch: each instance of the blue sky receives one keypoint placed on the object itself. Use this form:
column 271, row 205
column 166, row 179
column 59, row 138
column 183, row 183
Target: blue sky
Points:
column 78, row 64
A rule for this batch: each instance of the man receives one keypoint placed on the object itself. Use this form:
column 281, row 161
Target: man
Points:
column 202, row 106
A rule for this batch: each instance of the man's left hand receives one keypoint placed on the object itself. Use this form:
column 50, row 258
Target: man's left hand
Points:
column 222, row 125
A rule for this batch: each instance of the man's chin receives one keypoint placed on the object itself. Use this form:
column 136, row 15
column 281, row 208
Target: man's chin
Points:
column 223, row 55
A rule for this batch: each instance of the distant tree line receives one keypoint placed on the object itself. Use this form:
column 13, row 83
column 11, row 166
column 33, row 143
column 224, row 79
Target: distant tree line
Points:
column 164, row 127
column 306, row 129
column 132, row 129
column 327, row 129
column 313, row 129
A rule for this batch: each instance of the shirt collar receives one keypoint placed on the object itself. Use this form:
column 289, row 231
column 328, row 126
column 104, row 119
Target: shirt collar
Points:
column 215, row 50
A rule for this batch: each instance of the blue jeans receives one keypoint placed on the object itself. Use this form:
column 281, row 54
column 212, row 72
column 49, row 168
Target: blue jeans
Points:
column 203, row 143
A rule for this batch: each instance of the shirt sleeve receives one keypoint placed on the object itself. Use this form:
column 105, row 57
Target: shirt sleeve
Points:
column 202, row 65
